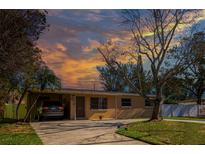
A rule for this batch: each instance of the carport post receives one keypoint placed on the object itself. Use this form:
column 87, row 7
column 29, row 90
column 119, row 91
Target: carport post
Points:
column 73, row 107
column 115, row 107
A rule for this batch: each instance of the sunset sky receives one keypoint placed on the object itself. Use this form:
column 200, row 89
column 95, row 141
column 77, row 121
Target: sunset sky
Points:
column 69, row 47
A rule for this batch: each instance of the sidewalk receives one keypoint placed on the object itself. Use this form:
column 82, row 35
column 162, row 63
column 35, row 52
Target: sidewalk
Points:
column 193, row 121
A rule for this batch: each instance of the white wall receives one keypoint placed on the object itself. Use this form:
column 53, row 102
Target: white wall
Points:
column 182, row 110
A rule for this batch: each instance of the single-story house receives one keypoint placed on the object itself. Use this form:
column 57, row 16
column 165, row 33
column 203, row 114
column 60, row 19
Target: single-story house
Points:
column 93, row 104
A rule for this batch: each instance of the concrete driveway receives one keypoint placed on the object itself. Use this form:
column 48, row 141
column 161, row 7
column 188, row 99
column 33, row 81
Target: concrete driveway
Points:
column 82, row 132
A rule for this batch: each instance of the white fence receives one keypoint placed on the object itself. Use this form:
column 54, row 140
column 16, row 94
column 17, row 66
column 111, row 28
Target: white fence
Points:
column 182, row 110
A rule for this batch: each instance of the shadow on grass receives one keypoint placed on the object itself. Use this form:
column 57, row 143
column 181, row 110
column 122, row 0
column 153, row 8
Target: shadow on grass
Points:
column 7, row 120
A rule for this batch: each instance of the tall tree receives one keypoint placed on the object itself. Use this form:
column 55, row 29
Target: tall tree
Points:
column 194, row 77
column 26, row 79
column 154, row 32
column 20, row 29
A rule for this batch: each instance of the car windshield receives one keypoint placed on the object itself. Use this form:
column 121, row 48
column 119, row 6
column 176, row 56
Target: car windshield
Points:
column 52, row 103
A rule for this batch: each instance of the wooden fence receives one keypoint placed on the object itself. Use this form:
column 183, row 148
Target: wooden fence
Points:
column 10, row 111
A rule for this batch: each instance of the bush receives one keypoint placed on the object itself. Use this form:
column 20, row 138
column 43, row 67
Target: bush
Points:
column 171, row 99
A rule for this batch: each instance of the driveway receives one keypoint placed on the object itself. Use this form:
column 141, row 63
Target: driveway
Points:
column 82, row 132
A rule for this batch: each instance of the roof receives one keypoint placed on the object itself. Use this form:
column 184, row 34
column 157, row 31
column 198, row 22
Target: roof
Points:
column 83, row 91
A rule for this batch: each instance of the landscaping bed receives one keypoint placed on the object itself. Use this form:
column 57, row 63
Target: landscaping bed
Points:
column 166, row 132
column 13, row 134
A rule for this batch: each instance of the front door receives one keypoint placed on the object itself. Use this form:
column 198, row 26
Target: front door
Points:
column 80, row 107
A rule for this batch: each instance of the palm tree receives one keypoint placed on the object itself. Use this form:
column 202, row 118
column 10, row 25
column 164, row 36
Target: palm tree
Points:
column 45, row 78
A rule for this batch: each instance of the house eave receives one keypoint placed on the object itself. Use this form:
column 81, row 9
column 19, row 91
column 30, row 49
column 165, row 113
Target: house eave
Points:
column 82, row 91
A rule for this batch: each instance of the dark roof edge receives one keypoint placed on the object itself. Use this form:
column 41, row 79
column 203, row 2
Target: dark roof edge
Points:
column 84, row 91
column 80, row 91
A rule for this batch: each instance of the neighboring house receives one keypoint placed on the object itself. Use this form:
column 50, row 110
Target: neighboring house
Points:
column 94, row 105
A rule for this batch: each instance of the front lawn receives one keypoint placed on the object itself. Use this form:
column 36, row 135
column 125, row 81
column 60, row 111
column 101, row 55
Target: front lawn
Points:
column 10, row 133
column 166, row 132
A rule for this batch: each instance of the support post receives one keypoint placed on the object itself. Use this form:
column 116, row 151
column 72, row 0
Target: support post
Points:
column 73, row 107
column 115, row 107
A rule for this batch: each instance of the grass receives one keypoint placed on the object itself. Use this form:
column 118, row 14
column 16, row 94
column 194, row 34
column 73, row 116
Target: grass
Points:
column 13, row 134
column 166, row 132
column 186, row 118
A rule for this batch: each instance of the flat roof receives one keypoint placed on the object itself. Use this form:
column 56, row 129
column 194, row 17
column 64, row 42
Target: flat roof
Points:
column 83, row 91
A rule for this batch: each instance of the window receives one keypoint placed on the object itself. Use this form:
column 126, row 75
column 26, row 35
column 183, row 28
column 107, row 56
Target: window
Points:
column 94, row 103
column 98, row 103
column 125, row 102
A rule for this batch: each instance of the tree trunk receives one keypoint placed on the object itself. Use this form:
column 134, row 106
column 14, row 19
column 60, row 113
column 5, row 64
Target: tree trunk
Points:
column 19, row 103
column 29, row 111
column 199, row 100
column 199, row 95
column 156, row 109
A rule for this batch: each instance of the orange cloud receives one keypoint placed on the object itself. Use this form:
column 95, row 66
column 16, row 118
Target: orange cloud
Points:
column 73, row 72
column 61, row 47
column 93, row 44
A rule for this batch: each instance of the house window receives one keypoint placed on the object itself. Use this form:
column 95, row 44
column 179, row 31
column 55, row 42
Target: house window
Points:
column 98, row 103
column 126, row 102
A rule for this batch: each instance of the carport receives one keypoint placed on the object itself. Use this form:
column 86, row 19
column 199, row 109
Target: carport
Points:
column 47, row 97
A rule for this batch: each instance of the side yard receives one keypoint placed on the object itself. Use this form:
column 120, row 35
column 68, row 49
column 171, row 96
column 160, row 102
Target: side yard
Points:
column 166, row 132
column 12, row 134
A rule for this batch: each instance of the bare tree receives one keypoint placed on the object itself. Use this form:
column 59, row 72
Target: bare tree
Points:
column 155, row 32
